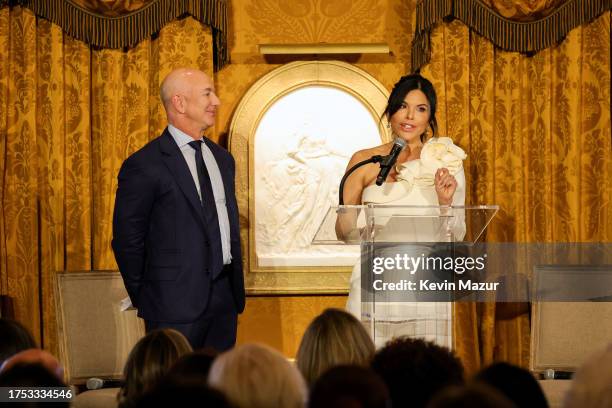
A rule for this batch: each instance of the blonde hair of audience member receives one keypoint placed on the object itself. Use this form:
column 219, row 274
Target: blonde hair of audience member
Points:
column 149, row 361
column 256, row 376
column 333, row 338
column 592, row 384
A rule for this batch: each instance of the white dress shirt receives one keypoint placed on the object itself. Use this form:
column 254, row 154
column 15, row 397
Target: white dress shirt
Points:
column 182, row 140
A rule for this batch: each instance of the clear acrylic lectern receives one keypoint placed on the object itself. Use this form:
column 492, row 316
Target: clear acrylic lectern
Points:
column 400, row 233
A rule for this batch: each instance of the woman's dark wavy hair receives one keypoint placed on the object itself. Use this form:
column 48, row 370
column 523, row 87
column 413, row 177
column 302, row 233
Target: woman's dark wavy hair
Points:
column 409, row 83
column 415, row 370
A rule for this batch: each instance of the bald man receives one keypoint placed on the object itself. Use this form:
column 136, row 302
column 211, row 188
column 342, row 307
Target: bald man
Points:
column 175, row 225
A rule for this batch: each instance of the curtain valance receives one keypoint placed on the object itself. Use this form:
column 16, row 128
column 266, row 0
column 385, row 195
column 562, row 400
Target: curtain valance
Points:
column 524, row 26
column 124, row 23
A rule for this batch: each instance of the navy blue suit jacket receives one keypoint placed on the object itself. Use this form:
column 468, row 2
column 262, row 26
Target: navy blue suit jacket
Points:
column 161, row 236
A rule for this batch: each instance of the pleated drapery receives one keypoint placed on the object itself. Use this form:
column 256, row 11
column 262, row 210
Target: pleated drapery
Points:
column 121, row 24
column 539, row 143
column 69, row 116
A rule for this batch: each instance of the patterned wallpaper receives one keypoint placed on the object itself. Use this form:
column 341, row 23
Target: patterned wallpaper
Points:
column 255, row 22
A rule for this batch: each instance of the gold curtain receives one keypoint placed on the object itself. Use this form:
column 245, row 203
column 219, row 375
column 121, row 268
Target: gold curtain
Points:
column 537, row 133
column 69, row 115
column 525, row 26
column 125, row 23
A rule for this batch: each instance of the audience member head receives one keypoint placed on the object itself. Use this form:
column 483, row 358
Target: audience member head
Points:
column 471, row 396
column 592, row 384
column 183, row 395
column 333, row 338
column 349, row 387
column 193, row 367
column 414, row 370
column 516, row 383
column 15, row 338
column 256, row 376
column 149, row 361
column 402, row 88
column 31, row 374
column 36, row 356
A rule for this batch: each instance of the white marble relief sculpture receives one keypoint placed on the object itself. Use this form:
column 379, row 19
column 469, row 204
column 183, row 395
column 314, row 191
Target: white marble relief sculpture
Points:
column 302, row 147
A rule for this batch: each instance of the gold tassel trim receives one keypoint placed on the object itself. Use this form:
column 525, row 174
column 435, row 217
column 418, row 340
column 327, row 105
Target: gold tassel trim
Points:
column 128, row 30
column 509, row 35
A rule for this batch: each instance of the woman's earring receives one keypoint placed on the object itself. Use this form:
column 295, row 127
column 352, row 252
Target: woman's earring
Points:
column 388, row 125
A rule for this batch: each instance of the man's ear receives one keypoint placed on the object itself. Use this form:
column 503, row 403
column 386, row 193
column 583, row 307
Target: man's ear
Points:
column 178, row 103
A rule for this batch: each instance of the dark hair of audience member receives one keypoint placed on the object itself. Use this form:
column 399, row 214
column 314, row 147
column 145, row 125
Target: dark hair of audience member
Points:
column 149, row 361
column 31, row 375
column 348, row 387
column 15, row 338
column 415, row 370
column 184, row 395
column 471, row 396
column 193, row 367
column 333, row 338
column 36, row 356
column 515, row 383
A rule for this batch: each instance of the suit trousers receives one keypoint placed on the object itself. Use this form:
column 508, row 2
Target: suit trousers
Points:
column 216, row 327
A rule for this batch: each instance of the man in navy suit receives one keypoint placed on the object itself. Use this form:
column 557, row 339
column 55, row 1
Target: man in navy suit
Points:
column 175, row 226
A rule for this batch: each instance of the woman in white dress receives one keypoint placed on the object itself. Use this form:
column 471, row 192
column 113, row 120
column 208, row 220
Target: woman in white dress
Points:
column 428, row 171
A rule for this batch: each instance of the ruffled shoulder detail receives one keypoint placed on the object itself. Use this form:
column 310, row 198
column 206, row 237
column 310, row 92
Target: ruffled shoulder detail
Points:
column 438, row 152
column 441, row 152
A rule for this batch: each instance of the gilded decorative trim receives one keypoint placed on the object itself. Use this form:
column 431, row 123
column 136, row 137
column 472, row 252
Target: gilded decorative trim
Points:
column 509, row 35
column 128, row 30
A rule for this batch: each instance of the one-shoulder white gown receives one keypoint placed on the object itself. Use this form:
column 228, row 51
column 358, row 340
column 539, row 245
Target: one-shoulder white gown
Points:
column 429, row 320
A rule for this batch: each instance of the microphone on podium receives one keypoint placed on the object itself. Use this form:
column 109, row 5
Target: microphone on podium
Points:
column 389, row 161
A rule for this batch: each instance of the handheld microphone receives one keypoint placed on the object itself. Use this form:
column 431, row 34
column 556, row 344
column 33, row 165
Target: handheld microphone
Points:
column 389, row 161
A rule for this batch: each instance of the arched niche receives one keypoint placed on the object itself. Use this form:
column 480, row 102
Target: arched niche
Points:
column 292, row 135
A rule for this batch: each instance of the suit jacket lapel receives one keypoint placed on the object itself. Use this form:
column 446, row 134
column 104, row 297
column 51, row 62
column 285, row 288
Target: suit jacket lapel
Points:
column 174, row 160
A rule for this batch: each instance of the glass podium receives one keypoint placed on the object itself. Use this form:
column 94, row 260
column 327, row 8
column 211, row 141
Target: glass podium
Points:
column 397, row 243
